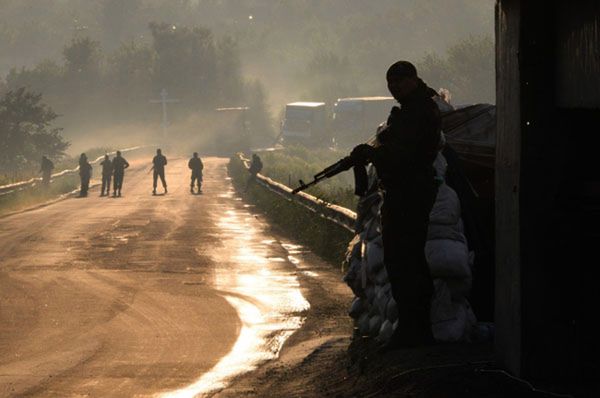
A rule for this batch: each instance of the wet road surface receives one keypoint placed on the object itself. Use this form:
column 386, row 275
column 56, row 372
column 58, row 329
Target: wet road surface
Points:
column 142, row 295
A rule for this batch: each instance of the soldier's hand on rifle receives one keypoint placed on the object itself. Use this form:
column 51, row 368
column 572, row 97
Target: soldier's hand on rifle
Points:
column 362, row 153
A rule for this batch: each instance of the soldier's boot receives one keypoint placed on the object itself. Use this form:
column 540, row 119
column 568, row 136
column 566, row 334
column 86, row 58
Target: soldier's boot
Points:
column 154, row 191
column 166, row 190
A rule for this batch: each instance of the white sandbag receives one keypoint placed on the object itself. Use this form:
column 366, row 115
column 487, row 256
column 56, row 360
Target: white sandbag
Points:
column 446, row 209
column 440, row 165
column 353, row 277
column 356, row 308
column 381, row 278
column 441, row 302
column 374, row 325
column 385, row 332
column 446, row 231
column 459, row 287
column 374, row 255
column 391, row 311
column 447, row 258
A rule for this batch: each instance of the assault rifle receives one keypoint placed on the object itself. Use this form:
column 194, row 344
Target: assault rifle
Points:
column 336, row 168
column 360, row 173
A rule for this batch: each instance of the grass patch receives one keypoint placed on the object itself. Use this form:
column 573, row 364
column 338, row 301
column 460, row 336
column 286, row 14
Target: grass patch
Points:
column 37, row 194
column 321, row 236
column 293, row 163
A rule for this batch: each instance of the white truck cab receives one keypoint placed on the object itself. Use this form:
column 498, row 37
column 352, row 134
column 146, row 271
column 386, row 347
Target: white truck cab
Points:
column 305, row 123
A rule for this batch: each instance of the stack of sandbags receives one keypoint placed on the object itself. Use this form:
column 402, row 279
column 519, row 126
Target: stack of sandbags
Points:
column 374, row 310
column 450, row 264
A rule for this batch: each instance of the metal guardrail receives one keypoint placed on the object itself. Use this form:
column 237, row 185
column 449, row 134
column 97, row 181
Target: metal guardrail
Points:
column 19, row 186
column 337, row 214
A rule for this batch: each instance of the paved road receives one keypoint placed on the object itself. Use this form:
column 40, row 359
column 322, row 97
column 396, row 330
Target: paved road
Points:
column 116, row 296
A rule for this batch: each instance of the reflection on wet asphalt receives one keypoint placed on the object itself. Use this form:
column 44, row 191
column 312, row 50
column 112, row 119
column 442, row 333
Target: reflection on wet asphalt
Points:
column 258, row 277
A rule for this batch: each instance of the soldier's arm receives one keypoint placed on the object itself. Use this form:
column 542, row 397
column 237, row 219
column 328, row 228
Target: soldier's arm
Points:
column 125, row 163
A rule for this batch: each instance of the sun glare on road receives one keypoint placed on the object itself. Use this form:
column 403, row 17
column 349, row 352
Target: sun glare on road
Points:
column 265, row 292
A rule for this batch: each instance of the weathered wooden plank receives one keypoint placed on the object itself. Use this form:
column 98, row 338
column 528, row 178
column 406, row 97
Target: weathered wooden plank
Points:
column 508, row 151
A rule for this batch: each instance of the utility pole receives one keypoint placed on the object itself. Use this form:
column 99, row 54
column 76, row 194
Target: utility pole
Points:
column 164, row 100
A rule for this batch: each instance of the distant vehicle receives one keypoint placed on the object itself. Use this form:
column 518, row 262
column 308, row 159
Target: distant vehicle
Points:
column 355, row 120
column 305, row 123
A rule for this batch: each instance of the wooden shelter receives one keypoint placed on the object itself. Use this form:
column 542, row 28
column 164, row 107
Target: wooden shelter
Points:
column 548, row 189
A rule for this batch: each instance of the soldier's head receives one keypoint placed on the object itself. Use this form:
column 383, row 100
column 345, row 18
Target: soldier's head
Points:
column 83, row 156
column 195, row 154
column 158, row 151
column 106, row 156
column 402, row 79
column 118, row 154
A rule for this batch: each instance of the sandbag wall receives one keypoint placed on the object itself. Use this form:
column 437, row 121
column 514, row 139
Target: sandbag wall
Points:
column 373, row 309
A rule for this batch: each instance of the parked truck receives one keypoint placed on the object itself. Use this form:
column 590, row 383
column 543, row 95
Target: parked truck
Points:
column 305, row 123
column 355, row 120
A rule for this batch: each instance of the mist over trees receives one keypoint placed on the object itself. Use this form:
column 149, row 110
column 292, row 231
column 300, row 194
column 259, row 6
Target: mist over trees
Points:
column 27, row 132
column 100, row 62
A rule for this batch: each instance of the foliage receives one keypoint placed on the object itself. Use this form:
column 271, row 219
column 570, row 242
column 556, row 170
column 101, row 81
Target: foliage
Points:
column 467, row 70
column 37, row 194
column 300, row 163
column 26, row 131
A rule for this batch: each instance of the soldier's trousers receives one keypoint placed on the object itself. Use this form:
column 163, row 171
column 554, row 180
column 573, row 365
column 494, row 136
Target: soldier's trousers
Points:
column 161, row 174
column 405, row 219
column 85, row 184
column 118, row 181
column 105, row 183
column 196, row 178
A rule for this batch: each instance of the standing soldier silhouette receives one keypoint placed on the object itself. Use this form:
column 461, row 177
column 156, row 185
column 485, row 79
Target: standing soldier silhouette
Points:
column 46, row 169
column 158, row 165
column 195, row 164
column 403, row 158
column 119, row 165
column 85, row 172
column 107, row 169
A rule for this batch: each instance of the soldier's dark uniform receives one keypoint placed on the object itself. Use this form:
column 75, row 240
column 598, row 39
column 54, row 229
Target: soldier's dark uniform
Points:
column 119, row 166
column 195, row 164
column 403, row 157
column 159, row 162
column 107, row 170
column 85, row 173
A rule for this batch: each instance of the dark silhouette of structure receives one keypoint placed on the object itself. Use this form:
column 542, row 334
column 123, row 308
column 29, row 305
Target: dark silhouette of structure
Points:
column 195, row 164
column 158, row 165
column 119, row 165
column 107, row 170
column 85, row 173
column 548, row 191
column 46, row 168
column 403, row 156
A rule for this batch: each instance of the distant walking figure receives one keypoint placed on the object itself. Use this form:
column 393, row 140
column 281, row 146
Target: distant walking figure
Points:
column 107, row 170
column 119, row 165
column 195, row 164
column 255, row 168
column 159, row 162
column 46, row 169
column 85, row 172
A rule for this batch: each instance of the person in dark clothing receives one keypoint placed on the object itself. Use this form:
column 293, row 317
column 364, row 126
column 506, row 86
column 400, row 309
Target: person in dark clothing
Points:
column 158, row 165
column 46, row 168
column 195, row 164
column 255, row 167
column 85, row 173
column 403, row 158
column 107, row 170
column 119, row 165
